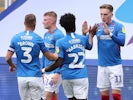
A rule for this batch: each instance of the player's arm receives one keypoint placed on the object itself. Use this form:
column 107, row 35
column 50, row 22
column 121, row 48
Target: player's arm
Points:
column 51, row 56
column 8, row 58
column 56, row 64
column 85, row 28
column 45, row 50
column 119, row 38
column 91, row 30
column 43, row 61
column 90, row 42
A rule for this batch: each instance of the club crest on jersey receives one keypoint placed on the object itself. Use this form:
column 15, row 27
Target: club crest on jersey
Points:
column 111, row 29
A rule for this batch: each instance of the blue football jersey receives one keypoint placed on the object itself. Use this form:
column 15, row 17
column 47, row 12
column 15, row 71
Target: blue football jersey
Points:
column 50, row 41
column 27, row 46
column 109, row 47
column 72, row 49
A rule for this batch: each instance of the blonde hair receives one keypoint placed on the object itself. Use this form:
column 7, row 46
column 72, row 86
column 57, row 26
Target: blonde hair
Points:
column 51, row 14
column 107, row 6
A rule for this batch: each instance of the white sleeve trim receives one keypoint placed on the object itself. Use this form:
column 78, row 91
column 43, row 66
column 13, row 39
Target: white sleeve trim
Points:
column 111, row 34
column 11, row 49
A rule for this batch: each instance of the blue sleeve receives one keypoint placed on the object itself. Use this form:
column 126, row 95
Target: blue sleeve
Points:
column 119, row 38
column 59, row 49
column 12, row 44
column 88, row 45
column 60, row 53
column 43, row 61
column 42, row 45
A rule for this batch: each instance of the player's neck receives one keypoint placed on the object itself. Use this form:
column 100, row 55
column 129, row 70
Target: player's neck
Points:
column 109, row 22
column 30, row 29
column 52, row 29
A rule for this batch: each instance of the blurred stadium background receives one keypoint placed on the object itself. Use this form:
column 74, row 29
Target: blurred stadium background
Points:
column 5, row 3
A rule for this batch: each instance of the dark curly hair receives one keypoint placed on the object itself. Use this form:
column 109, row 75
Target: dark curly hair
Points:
column 68, row 22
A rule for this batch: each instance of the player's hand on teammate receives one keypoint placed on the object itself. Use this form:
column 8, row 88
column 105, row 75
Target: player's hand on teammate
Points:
column 55, row 78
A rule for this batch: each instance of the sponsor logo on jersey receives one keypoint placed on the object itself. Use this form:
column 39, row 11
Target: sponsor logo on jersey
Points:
column 57, row 49
column 105, row 37
column 73, row 41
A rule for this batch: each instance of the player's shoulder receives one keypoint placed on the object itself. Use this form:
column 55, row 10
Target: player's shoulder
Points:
column 19, row 34
column 46, row 33
column 35, row 34
column 79, row 35
column 62, row 40
column 117, row 23
column 58, row 32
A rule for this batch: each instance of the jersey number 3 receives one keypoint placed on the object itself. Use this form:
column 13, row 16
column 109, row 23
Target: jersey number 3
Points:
column 27, row 54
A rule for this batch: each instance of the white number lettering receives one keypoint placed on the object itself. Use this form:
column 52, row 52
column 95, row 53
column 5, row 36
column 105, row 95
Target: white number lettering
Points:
column 76, row 58
column 27, row 51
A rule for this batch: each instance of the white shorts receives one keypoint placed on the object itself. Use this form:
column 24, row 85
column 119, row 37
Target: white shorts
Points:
column 110, row 76
column 77, row 88
column 49, row 85
column 30, row 88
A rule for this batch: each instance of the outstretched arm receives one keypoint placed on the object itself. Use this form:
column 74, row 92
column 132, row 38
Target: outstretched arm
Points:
column 119, row 38
column 91, row 30
column 51, row 56
column 56, row 64
column 85, row 28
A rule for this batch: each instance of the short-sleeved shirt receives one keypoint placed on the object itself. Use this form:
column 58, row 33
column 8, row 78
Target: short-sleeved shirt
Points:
column 50, row 42
column 72, row 49
column 27, row 46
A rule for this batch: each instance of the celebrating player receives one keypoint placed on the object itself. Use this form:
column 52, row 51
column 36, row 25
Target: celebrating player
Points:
column 52, row 79
column 27, row 46
column 71, row 52
column 110, row 35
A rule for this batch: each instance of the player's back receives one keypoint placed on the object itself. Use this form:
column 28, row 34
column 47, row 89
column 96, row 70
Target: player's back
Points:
column 72, row 48
column 27, row 46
